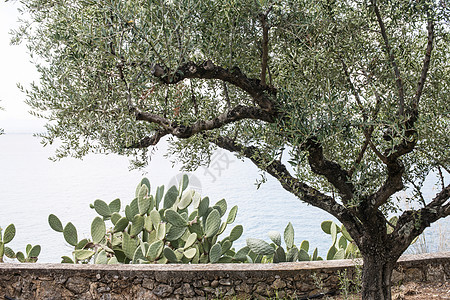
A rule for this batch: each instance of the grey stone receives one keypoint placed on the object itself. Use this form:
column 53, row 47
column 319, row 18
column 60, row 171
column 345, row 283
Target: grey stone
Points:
column 215, row 283
column 278, row 284
column 163, row 290
column 148, row 283
column 77, row 285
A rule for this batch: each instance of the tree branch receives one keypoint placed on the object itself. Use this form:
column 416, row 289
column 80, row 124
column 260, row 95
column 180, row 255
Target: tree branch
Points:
column 412, row 223
column 332, row 171
column 392, row 184
column 265, row 44
column 239, row 112
column 207, row 70
column 390, row 54
column 426, row 63
column 279, row 171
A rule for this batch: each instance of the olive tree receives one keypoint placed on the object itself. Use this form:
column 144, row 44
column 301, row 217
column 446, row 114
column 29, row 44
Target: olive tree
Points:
column 345, row 103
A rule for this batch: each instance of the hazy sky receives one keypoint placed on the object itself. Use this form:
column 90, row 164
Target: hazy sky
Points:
column 15, row 67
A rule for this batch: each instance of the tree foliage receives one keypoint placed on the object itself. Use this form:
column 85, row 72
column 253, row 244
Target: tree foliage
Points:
column 346, row 103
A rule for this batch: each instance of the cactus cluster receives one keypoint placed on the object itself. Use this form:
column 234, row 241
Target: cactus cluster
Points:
column 31, row 252
column 155, row 229
column 342, row 244
column 259, row 251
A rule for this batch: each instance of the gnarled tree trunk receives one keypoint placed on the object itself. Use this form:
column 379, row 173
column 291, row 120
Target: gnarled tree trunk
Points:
column 376, row 277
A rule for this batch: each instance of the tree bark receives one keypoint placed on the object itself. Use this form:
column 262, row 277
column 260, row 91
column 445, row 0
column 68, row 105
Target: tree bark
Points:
column 376, row 276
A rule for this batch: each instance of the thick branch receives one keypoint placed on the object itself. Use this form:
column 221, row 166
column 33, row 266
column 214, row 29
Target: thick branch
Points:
column 208, row 70
column 392, row 184
column 239, row 112
column 332, row 171
column 390, row 54
column 412, row 223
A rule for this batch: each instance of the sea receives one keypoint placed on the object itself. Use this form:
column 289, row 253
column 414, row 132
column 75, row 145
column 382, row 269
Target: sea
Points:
column 32, row 187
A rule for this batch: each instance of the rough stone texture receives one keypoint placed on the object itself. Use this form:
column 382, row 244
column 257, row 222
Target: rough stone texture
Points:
column 234, row 281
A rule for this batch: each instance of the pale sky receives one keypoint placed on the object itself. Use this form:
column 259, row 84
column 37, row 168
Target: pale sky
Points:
column 15, row 67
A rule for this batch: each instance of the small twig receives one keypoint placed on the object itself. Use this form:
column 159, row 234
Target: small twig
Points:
column 441, row 177
column 390, row 54
column 265, row 45
column 417, row 188
column 226, row 95
column 194, row 100
column 426, row 62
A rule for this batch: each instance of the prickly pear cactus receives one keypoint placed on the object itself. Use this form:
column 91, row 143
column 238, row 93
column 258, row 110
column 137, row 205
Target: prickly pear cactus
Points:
column 31, row 253
column 177, row 226
column 342, row 245
column 259, row 251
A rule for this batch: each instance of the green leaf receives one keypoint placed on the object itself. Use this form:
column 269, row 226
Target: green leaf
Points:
column 114, row 206
column 260, row 247
column 129, row 245
column 170, row 197
column 305, row 246
column 175, row 233
column 146, row 182
column 222, row 205
column 55, row 223
column 98, row 229
column 340, row 254
column 156, row 218
column 190, row 253
column 70, row 234
column 115, row 217
column 289, row 235
column 80, row 245
column 137, row 225
column 186, row 199
column 292, row 254
column 159, row 195
column 8, row 252
column 175, row 218
column 102, row 208
column 342, row 242
column 303, row 255
column 215, row 253
column 34, row 251
column 101, row 258
column 203, row 206
column 67, row 260
column 236, row 233
column 232, row 214
column 212, row 224
column 326, row 226
column 346, row 234
column 83, row 254
column 331, row 252
column 279, row 255
column 9, row 234
column 190, row 240
column 170, row 255
column 275, row 237
column 333, row 230
column 184, row 182
column 112, row 261
column 121, row 224
column 143, row 200
column 155, row 250
column 20, row 257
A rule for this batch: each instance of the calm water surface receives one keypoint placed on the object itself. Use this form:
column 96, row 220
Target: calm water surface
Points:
column 32, row 187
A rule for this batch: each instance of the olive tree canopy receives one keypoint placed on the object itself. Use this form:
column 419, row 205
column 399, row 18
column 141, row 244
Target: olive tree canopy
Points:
column 345, row 103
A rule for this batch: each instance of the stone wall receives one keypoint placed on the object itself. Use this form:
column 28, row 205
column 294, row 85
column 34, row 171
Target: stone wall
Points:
column 235, row 281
